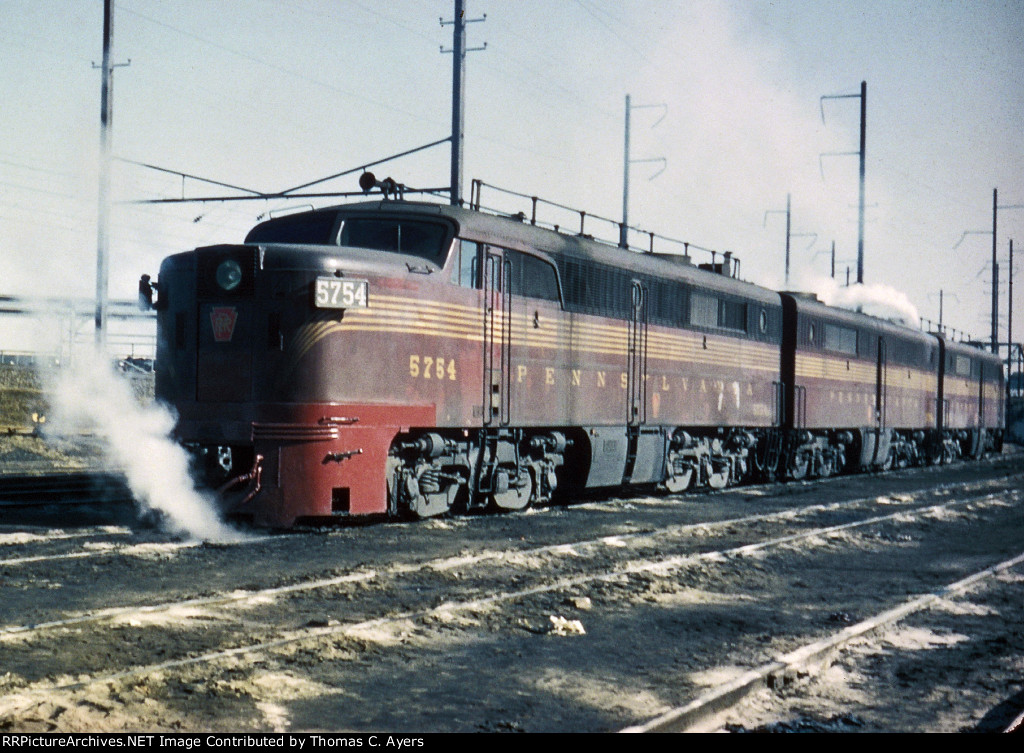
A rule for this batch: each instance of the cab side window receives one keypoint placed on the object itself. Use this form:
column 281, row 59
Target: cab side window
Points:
column 532, row 277
column 466, row 272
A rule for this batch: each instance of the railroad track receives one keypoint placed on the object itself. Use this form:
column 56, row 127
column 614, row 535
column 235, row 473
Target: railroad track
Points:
column 702, row 713
column 23, row 490
column 388, row 577
column 440, row 594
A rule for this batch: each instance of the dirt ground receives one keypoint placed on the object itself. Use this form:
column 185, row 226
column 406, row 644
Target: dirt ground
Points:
column 587, row 618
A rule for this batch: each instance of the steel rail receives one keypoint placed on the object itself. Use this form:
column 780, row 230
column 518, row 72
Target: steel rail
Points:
column 637, row 567
column 55, row 488
column 573, row 548
column 806, row 659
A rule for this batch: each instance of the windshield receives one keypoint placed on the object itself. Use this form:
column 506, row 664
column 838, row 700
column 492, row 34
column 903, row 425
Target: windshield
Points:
column 309, row 227
column 415, row 237
column 421, row 238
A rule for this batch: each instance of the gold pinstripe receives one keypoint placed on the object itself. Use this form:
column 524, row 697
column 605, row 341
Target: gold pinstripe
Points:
column 432, row 318
column 826, row 367
column 309, row 335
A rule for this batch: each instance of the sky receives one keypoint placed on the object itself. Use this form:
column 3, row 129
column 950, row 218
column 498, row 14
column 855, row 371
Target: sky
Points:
column 269, row 94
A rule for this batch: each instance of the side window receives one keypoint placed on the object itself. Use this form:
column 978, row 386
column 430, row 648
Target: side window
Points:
column 733, row 315
column 532, row 277
column 703, row 310
column 720, row 313
column 841, row 339
column 466, row 271
column 514, row 268
column 539, row 279
column 667, row 301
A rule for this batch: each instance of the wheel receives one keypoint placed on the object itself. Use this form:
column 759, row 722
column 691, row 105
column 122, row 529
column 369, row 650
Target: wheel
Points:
column 679, row 483
column 719, row 480
column 426, row 495
column 799, row 467
column 515, row 497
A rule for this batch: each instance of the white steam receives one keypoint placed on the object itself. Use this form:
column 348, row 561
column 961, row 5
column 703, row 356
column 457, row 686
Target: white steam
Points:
column 882, row 301
column 89, row 395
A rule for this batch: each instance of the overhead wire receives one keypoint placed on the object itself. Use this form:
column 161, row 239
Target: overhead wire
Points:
column 278, row 67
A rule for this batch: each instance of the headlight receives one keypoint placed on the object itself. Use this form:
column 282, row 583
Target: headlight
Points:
column 229, row 274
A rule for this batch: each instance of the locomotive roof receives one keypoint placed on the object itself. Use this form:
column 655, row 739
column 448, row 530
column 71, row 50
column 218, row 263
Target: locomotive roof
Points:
column 974, row 350
column 521, row 235
column 815, row 307
column 518, row 234
column 808, row 305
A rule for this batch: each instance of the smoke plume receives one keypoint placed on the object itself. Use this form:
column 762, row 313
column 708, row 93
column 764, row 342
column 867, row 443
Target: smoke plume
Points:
column 882, row 301
column 89, row 395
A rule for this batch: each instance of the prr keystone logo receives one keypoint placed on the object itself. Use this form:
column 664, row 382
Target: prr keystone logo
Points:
column 223, row 319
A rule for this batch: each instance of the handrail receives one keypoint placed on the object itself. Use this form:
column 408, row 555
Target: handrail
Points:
column 719, row 259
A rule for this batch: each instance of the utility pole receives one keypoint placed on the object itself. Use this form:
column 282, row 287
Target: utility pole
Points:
column 791, row 234
column 789, row 215
column 995, row 265
column 459, row 51
column 103, row 209
column 1009, row 325
column 626, row 162
column 623, row 231
column 103, row 214
column 942, row 301
column 862, row 153
column 995, row 275
column 860, row 215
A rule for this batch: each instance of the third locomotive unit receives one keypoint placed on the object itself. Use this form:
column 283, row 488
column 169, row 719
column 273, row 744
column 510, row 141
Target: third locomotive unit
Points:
column 409, row 358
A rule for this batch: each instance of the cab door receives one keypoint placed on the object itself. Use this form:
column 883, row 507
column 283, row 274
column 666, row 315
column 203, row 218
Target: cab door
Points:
column 636, row 366
column 882, row 439
column 497, row 274
column 645, row 445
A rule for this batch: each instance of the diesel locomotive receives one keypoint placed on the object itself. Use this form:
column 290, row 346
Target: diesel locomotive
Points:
column 405, row 358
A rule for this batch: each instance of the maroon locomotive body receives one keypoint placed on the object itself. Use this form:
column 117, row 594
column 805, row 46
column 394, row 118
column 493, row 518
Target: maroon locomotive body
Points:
column 402, row 358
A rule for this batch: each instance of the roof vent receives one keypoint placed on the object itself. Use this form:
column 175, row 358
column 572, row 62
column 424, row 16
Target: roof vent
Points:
column 723, row 267
column 675, row 258
column 802, row 295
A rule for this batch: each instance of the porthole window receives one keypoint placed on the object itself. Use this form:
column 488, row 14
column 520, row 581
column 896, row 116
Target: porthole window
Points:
column 763, row 321
column 810, row 333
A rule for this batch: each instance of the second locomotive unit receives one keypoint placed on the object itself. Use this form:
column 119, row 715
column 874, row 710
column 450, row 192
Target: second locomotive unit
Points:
column 408, row 359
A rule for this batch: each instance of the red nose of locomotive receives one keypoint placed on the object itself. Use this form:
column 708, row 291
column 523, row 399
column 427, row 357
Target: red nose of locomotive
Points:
column 252, row 355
